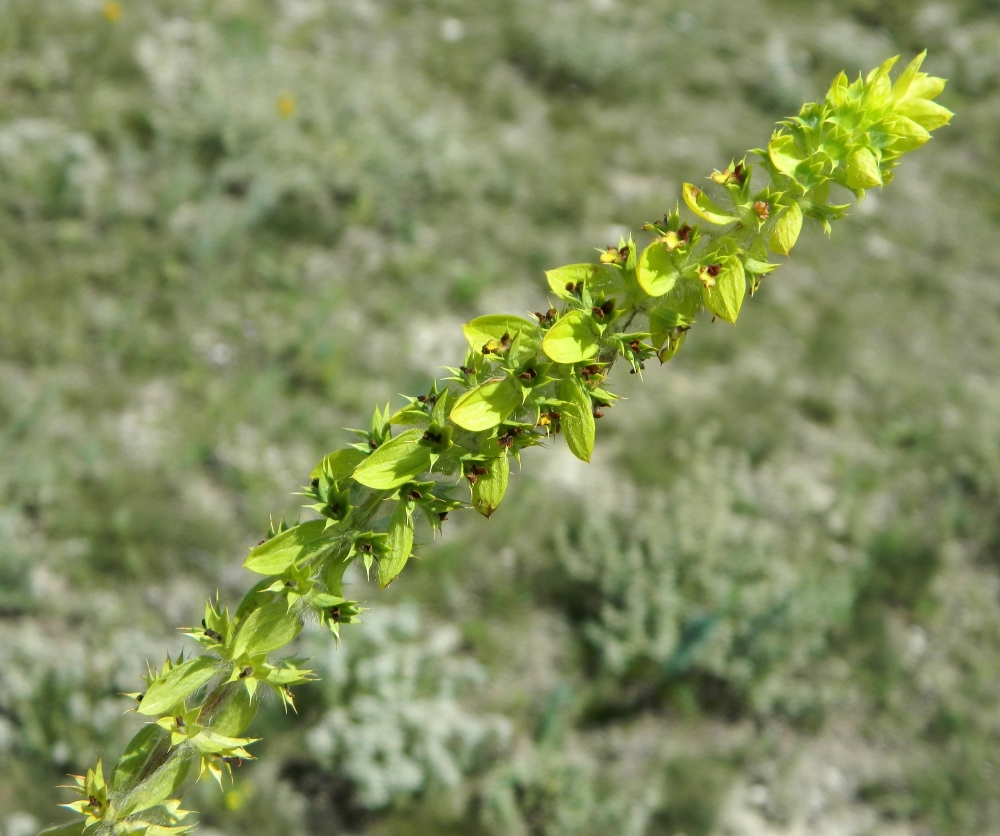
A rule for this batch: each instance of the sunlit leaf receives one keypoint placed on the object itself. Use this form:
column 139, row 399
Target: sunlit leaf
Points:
column 656, row 271
column 577, row 418
column 786, row 230
column 700, row 203
column 265, row 629
column 862, row 170
column 302, row 542
column 725, row 298
column 340, row 462
column 488, row 405
column 395, row 463
column 573, row 339
column 489, row 489
column 399, row 545
column 177, row 685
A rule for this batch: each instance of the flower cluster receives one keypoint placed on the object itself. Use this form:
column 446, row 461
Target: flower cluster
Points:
column 522, row 382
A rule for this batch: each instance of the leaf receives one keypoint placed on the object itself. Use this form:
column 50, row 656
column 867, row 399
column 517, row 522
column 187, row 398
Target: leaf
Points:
column 785, row 154
column 340, row 462
column 907, row 134
column 928, row 87
column 177, row 685
column 266, row 629
column 210, row 742
column 655, row 271
column 161, row 785
column 395, row 463
column 150, row 745
column 786, row 231
column 598, row 278
column 838, row 89
column 573, row 339
column 685, row 298
column 288, row 674
column 577, row 418
column 700, row 203
column 235, row 711
column 488, row 405
column 439, row 414
column 72, row 829
column 408, row 415
column 660, row 334
column 726, row 298
column 488, row 490
column 924, row 112
column 760, row 268
column 901, row 89
column 878, row 87
column 168, row 830
column 304, row 541
column 525, row 335
column 399, row 545
column 663, row 322
column 862, row 170
column 249, row 600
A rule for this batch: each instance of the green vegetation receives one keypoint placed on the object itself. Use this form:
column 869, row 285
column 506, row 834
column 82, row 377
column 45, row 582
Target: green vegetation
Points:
column 228, row 229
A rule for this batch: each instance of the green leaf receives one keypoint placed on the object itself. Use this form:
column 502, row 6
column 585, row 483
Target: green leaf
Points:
column 161, row 785
column 785, row 154
column 878, row 86
column 163, row 829
column 408, row 415
column 908, row 76
column 913, row 84
column 577, row 418
column 488, row 405
column 663, row 323
column 234, row 712
column 439, row 414
column 598, row 278
column 726, row 298
column 249, row 600
column 862, row 170
column 266, row 629
column 573, row 339
column 149, row 746
column 177, row 685
column 340, row 462
column 907, row 134
column 525, row 336
column 211, row 742
column 700, row 203
column 927, row 87
column 488, row 490
column 786, row 231
column 399, row 545
column 72, row 829
column 760, row 268
column 837, row 94
column 288, row 674
column 663, row 336
column 395, row 463
column 924, row 112
column 685, row 298
column 304, row 541
column 655, row 271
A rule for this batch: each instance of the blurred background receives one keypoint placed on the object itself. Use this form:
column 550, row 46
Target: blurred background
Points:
column 228, row 229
